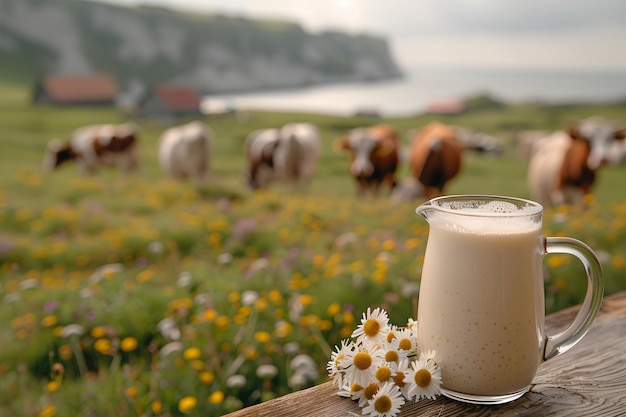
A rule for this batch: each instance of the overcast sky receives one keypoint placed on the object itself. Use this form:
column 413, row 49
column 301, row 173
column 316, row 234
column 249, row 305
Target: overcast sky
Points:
column 517, row 34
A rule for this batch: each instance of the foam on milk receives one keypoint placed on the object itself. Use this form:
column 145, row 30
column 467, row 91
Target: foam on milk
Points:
column 480, row 217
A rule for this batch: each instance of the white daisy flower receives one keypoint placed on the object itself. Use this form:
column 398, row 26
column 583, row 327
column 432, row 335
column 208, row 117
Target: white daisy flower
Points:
column 385, row 372
column 385, row 403
column 249, row 297
column 266, row 371
column 407, row 341
column 72, row 330
column 369, row 391
column 429, row 355
column 344, row 391
column 361, row 362
column 374, row 326
column 392, row 350
column 334, row 367
column 236, row 381
column 355, row 392
column 424, row 379
column 391, row 334
column 411, row 324
column 400, row 371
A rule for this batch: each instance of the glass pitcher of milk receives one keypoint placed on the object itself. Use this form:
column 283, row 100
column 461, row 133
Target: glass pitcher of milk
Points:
column 481, row 301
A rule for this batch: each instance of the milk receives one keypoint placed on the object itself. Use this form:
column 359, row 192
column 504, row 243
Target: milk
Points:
column 481, row 304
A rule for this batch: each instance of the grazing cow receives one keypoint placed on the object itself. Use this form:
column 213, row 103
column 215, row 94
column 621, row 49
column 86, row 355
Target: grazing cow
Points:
column 94, row 146
column 435, row 157
column 527, row 142
column 471, row 140
column 564, row 165
column 289, row 154
column 297, row 153
column 374, row 156
column 184, row 151
column 260, row 146
column 409, row 189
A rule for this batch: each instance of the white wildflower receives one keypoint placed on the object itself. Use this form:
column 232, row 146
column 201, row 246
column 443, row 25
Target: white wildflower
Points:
column 424, row 379
column 72, row 330
column 374, row 326
column 385, row 403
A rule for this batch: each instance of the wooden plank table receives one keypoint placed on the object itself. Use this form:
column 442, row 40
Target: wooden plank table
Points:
column 588, row 380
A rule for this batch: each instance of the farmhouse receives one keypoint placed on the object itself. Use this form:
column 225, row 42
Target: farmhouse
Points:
column 446, row 107
column 88, row 89
column 170, row 103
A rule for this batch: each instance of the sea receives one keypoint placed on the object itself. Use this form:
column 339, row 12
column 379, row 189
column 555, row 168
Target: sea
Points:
column 419, row 88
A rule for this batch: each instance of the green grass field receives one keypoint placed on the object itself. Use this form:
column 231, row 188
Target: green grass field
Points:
column 139, row 296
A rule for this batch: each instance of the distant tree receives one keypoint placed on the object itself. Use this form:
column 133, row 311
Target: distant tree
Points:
column 482, row 102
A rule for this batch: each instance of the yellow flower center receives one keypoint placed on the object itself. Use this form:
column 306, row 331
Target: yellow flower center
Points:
column 405, row 344
column 399, row 379
column 422, row 378
column 383, row 374
column 392, row 356
column 370, row 390
column 355, row 387
column 390, row 337
column 382, row 404
column 362, row 360
column 338, row 359
column 371, row 327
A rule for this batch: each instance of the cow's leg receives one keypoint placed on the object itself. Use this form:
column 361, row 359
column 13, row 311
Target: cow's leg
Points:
column 432, row 192
column 128, row 163
column 557, row 197
column 390, row 179
column 362, row 187
column 86, row 167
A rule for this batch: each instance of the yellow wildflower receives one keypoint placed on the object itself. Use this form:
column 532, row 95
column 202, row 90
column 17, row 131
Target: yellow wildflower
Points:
column 217, row 397
column 128, row 344
column 186, row 404
column 192, row 353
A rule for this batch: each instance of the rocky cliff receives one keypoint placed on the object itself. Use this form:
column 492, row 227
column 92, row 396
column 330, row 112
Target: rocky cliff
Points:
column 212, row 53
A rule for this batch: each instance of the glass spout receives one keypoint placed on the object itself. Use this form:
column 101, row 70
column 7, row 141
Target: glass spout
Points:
column 425, row 209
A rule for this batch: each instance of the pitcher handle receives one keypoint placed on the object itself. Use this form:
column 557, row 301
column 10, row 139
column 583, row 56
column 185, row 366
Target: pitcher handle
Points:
column 565, row 340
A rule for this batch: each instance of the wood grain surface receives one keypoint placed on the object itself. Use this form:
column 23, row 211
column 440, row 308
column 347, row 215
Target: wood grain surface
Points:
column 588, row 380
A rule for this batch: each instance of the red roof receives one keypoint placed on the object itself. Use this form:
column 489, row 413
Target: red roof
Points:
column 178, row 98
column 83, row 88
column 446, row 106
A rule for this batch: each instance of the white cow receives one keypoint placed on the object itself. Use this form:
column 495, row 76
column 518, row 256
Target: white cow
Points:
column 185, row 151
column 91, row 147
column 297, row 153
column 289, row 154
column 563, row 166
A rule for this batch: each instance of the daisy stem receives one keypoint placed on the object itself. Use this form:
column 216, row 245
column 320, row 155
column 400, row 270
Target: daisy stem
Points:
column 321, row 341
column 78, row 354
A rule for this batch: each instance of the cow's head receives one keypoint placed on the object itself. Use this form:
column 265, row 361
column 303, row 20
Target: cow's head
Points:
column 600, row 134
column 56, row 154
column 364, row 150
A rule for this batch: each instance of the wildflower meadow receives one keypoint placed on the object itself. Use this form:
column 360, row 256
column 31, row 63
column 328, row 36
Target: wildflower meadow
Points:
column 140, row 296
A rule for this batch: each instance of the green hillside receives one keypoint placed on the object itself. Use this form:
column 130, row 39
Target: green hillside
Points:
column 213, row 53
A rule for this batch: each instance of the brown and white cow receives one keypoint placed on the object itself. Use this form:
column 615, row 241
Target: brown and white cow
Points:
column 94, row 146
column 435, row 157
column 184, row 151
column 260, row 146
column 563, row 166
column 289, row 154
column 374, row 156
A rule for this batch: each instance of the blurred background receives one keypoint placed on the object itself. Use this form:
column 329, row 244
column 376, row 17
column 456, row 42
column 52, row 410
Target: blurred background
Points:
column 138, row 291
column 318, row 54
